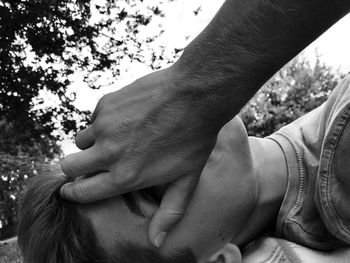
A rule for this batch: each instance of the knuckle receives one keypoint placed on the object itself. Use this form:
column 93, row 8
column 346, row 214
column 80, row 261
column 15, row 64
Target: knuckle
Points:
column 67, row 167
column 124, row 179
column 104, row 101
column 174, row 213
column 100, row 125
column 97, row 108
column 108, row 152
column 103, row 104
column 167, row 218
column 174, row 209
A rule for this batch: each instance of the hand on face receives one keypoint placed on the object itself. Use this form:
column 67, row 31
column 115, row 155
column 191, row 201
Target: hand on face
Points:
column 219, row 208
column 224, row 199
column 148, row 133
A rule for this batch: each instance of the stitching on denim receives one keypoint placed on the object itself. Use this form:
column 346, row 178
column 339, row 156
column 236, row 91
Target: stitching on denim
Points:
column 314, row 236
column 301, row 185
column 331, row 147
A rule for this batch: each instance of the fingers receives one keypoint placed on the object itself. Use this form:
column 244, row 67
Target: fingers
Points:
column 91, row 189
column 85, row 138
column 81, row 163
column 172, row 208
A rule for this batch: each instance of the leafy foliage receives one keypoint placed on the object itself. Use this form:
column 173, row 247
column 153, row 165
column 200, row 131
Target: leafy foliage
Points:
column 294, row 91
column 33, row 38
column 45, row 42
column 10, row 253
column 18, row 162
column 43, row 45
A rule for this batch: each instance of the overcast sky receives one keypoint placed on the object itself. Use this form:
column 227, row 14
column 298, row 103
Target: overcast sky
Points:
column 181, row 25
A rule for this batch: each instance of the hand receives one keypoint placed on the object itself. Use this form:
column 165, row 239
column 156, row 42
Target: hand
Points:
column 149, row 133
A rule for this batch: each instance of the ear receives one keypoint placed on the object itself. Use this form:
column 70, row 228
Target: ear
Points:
column 228, row 254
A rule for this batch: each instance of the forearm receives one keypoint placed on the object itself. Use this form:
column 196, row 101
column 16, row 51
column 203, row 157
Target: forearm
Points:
column 246, row 43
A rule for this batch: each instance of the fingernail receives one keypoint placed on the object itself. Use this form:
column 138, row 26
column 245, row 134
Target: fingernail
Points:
column 160, row 239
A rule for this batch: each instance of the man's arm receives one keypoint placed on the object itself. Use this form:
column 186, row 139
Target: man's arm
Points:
column 247, row 42
column 162, row 127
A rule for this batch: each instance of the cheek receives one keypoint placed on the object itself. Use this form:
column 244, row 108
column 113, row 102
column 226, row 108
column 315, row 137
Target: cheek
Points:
column 122, row 229
column 217, row 212
column 206, row 227
column 114, row 223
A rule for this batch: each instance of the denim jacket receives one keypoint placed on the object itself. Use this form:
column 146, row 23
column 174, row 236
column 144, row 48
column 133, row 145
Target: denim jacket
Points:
column 316, row 208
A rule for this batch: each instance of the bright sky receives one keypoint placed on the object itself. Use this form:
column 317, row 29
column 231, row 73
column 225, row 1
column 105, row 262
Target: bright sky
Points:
column 181, row 25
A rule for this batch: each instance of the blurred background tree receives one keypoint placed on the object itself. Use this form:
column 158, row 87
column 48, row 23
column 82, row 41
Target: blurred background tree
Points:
column 296, row 89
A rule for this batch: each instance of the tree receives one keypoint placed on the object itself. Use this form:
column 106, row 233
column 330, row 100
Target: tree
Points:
column 43, row 43
column 294, row 91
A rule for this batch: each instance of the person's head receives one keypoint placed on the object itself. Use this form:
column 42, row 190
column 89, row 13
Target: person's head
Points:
column 52, row 230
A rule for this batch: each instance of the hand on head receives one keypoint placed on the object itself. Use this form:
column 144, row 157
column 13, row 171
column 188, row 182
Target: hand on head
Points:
column 146, row 134
column 211, row 219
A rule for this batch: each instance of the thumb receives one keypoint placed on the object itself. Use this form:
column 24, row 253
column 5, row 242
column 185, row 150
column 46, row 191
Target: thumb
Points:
column 172, row 208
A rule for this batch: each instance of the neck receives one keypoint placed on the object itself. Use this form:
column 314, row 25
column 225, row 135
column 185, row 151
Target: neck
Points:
column 271, row 173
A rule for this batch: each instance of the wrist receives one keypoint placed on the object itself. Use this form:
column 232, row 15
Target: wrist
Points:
column 210, row 98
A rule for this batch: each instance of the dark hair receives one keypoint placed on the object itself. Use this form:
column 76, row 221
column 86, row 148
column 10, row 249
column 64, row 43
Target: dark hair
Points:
column 51, row 230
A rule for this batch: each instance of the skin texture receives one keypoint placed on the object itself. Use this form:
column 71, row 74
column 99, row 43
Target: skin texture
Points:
column 229, row 193
column 162, row 128
column 211, row 218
